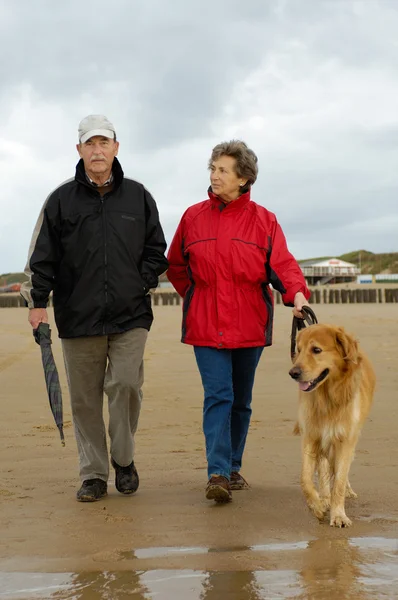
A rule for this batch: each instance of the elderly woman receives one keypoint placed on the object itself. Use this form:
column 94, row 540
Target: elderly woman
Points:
column 225, row 254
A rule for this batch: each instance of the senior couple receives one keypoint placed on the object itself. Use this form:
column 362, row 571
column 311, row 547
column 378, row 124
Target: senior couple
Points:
column 98, row 246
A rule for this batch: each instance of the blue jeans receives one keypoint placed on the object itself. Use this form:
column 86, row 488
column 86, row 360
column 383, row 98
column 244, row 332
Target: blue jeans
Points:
column 227, row 378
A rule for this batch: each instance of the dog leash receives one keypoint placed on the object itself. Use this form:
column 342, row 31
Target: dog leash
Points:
column 297, row 324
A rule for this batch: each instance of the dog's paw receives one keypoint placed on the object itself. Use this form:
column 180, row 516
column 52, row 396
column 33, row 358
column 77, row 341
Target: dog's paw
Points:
column 318, row 510
column 340, row 521
column 350, row 493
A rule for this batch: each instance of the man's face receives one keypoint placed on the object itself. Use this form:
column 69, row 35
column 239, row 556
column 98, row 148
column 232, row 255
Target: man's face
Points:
column 98, row 154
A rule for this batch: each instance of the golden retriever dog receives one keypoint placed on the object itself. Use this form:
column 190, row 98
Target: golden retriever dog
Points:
column 336, row 385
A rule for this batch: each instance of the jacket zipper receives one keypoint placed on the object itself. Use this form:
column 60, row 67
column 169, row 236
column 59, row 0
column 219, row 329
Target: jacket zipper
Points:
column 105, row 263
column 216, row 270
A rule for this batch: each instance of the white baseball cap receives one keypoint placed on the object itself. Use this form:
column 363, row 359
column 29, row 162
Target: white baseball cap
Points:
column 95, row 125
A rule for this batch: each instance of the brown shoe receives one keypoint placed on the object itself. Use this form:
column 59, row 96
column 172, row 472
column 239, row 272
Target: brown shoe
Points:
column 218, row 489
column 237, row 482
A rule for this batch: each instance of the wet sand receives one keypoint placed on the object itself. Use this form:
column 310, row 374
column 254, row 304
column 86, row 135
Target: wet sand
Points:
column 43, row 528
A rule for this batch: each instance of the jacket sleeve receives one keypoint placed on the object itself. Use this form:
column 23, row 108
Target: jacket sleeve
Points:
column 154, row 261
column 43, row 257
column 178, row 263
column 284, row 273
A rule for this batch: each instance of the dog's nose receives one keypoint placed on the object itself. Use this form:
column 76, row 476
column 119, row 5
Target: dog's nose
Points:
column 295, row 372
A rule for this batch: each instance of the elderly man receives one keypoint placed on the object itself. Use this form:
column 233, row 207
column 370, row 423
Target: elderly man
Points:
column 99, row 246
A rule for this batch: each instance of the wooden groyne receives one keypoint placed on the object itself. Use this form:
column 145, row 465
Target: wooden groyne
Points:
column 318, row 296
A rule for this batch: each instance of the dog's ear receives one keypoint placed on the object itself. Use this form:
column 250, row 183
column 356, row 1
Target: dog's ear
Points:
column 347, row 345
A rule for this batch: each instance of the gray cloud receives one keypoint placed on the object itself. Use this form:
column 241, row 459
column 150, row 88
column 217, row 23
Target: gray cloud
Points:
column 170, row 64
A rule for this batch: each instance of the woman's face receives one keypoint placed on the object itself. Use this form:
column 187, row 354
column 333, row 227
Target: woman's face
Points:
column 223, row 178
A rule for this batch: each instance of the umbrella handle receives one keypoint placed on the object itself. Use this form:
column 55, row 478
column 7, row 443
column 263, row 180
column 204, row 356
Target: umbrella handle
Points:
column 42, row 329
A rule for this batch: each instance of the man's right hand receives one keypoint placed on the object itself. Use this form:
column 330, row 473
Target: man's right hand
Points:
column 37, row 316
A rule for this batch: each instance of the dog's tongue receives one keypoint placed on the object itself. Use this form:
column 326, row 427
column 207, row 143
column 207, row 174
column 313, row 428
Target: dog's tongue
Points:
column 304, row 385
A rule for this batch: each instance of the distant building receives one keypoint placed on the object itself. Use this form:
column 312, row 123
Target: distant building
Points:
column 330, row 270
column 9, row 289
column 386, row 278
column 164, row 282
column 365, row 278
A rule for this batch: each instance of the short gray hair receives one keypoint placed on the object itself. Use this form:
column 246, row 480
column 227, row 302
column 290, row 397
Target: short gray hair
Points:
column 246, row 160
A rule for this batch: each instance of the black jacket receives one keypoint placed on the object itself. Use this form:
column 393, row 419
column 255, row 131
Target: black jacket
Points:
column 100, row 256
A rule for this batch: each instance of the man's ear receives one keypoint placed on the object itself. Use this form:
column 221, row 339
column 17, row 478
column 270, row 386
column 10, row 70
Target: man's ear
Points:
column 347, row 345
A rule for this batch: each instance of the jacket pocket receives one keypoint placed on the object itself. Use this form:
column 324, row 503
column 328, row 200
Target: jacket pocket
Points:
column 247, row 264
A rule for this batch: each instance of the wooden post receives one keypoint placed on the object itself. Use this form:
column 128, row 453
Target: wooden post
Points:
column 8, row 301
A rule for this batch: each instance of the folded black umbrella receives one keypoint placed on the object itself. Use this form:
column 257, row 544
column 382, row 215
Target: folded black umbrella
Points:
column 42, row 336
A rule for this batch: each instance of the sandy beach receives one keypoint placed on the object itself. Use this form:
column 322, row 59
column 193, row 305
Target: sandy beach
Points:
column 44, row 529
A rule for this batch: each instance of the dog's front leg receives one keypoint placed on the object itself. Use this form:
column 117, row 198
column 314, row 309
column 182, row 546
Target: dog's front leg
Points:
column 343, row 458
column 324, row 481
column 307, row 479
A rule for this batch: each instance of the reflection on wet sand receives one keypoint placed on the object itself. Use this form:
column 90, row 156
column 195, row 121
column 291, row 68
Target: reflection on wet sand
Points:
column 331, row 569
column 105, row 586
column 325, row 569
column 231, row 586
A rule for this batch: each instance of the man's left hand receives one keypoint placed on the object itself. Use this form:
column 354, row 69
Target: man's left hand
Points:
column 299, row 301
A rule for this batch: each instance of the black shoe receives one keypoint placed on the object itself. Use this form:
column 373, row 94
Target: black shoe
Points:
column 92, row 490
column 126, row 480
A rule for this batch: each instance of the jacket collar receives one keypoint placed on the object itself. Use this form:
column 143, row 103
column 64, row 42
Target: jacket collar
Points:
column 117, row 173
column 237, row 204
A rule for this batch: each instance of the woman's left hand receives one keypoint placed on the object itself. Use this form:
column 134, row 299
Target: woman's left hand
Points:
column 299, row 301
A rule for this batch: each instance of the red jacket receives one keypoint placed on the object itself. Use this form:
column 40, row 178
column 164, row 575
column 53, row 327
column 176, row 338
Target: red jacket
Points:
column 222, row 259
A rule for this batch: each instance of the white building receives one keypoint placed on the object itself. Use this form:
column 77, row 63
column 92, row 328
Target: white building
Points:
column 330, row 270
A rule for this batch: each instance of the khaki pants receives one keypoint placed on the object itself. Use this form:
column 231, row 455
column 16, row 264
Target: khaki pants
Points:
column 112, row 364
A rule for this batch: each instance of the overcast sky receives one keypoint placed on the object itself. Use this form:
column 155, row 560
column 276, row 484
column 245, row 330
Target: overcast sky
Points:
column 310, row 85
